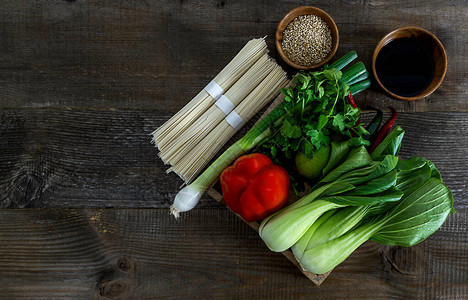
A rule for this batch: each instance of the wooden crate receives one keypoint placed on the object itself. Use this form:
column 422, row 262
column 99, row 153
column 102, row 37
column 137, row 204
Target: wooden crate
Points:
column 315, row 278
column 216, row 194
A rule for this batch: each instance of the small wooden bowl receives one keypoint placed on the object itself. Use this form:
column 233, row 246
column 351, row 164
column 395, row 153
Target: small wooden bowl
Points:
column 300, row 11
column 431, row 42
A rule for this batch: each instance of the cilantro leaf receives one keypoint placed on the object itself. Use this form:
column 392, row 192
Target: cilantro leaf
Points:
column 358, row 141
column 273, row 151
column 321, row 91
column 329, row 74
column 290, row 131
column 308, row 149
column 318, row 138
column 339, row 122
column 322, row 121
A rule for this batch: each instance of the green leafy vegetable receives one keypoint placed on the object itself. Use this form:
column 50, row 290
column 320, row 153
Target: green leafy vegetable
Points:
column 339, row 151
column 349, row 199
column 316, row 110
column 338, row 222
column 423, row 208
column 323, row 258
column 434, row 172
column 356, row 158
column 376, row 185
column 283, row 229
column 391, row 144
column 301, row 245
column 417, row 216
column 361, row 197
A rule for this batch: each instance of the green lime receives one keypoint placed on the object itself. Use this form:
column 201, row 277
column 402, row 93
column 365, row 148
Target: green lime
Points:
column 312, row 167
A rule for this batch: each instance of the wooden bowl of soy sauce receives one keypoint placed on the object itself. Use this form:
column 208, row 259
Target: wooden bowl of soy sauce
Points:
column 409, row 63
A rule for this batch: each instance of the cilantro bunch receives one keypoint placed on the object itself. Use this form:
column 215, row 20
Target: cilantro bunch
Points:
column 317, row 111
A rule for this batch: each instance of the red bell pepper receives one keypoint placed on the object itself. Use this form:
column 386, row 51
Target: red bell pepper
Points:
column 254, row 187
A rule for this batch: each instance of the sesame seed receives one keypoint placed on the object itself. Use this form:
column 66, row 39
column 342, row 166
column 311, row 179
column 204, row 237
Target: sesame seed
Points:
column 307, row 40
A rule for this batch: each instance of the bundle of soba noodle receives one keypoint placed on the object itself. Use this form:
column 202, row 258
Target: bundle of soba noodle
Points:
column 191, row 138
column 242, row 62
column 196, row 159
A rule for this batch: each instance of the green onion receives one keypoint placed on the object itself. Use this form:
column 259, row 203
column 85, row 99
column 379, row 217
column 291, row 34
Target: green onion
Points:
column 344, row 60
column 359, row 87
column 353, row 72
column 189, row 196
column 359, row 78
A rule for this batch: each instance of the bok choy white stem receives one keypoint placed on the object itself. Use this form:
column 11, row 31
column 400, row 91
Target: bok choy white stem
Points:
column 417, row 216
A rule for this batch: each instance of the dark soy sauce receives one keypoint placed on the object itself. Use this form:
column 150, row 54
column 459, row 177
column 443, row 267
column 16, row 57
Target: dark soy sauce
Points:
column 405, row 67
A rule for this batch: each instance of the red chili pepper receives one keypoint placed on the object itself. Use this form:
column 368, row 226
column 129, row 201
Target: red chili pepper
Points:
column 254, row 187
column 354, row 105
column 386, row 128
column 351, row 100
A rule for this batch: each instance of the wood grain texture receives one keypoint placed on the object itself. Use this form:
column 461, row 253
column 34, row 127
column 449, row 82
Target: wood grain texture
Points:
column 84, row 82
column 317, row 279
column 96, row 158
column 152, row 54
column 146, row 254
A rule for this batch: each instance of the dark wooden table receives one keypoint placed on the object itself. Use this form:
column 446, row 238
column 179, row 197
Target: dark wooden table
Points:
column 85, row 198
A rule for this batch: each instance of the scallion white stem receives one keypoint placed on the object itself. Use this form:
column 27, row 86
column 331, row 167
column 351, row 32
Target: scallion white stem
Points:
column 188, row 197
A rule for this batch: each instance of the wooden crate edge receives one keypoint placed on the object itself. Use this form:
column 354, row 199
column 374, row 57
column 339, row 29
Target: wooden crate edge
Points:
column 317, row 279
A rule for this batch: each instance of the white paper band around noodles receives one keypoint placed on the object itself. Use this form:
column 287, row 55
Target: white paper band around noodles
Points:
column 234, row 120
column 225, row 104
column 214, row 90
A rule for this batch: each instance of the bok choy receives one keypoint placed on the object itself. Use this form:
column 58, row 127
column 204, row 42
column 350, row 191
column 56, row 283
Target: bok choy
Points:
column 415, row 217
column 360, row 197
column 357, row 181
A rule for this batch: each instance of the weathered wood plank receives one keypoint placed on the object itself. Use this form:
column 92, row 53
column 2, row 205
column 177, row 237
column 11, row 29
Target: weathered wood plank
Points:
column 103, row 158
column 154, row 54
column 145, row 253
column 83, row 83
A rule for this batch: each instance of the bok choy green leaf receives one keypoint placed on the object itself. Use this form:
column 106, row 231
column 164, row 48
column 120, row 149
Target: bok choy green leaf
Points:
column 370, row 183
column 423, row 208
